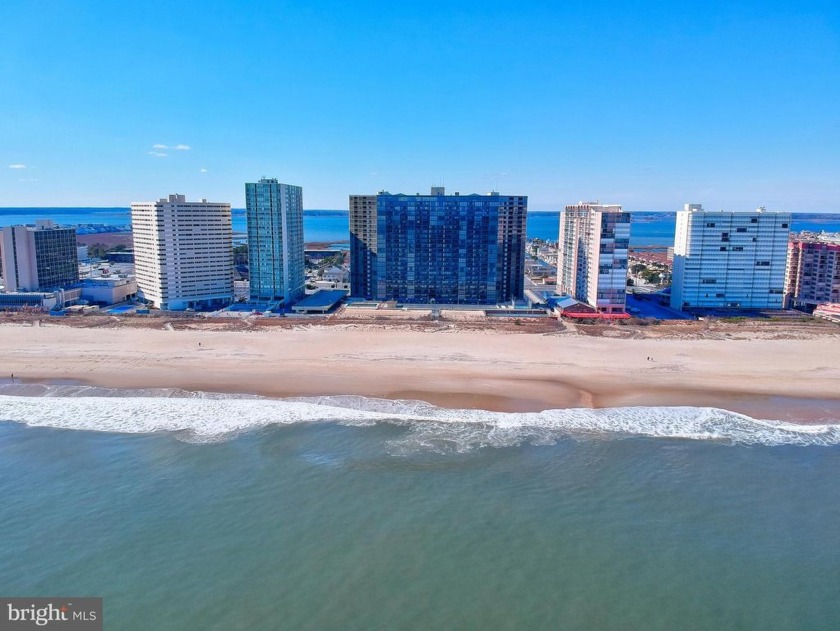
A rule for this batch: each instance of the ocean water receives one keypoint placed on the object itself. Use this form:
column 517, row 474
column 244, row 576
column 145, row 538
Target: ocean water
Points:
column 333, row 226
column 211, row 512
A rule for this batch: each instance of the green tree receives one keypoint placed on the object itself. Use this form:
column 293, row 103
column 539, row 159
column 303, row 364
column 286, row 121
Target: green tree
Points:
column 651, row 276
column 240, row 255
column 97, row 251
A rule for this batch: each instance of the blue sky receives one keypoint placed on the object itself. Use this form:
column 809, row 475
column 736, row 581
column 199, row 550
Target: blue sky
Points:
column 648, row 104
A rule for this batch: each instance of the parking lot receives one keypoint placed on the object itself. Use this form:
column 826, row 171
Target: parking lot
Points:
column 648, row 306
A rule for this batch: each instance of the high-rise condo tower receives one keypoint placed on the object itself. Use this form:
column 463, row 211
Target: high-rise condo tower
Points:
column 183, row 253
column 592, row 255
column 438, row 248
column 729, row 259
column 39, row 258
column 275, row 241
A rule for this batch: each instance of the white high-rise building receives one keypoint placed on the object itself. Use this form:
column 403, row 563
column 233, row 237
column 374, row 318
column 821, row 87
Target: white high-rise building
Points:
column 276, row 266
column 183, row 253
column 729, row 259
column 592, row 256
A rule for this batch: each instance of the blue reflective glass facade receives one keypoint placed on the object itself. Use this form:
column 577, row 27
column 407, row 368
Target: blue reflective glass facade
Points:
column 56, row 257
column 275, row 241
column 452, row 249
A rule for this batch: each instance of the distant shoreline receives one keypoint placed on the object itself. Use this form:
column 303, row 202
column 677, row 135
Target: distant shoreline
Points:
column 34, row 210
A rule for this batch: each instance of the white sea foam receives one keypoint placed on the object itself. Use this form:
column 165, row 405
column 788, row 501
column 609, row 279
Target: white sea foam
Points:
column 203, row 417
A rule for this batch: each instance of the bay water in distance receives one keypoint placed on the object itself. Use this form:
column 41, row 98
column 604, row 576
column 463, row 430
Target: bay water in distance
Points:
column 332, row 226
column 190, row 511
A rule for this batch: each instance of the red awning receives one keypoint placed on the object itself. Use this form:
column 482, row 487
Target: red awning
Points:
column 601, row 316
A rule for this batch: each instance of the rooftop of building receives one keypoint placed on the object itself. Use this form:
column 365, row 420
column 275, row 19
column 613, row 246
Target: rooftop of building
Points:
column 321, row 299
column 440, row 191
column 595, row 205
column 698, row 208
column 178, row 198
column 99, row 281
column 42, row 224
column 827, row 238
column 38, row 294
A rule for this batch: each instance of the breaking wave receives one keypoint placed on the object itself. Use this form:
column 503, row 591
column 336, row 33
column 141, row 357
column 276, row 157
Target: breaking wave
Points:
column 211, row 417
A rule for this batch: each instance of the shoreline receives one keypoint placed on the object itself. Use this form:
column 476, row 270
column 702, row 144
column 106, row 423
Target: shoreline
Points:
column 790, row 409
column 492, row 370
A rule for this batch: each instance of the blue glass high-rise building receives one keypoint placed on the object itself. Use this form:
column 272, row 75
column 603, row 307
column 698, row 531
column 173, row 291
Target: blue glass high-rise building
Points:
column 438, row 248
column 40, row 258
column 275, row 241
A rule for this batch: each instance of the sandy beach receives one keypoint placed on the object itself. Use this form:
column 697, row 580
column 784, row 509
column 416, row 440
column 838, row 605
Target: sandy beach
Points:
column 796, row 379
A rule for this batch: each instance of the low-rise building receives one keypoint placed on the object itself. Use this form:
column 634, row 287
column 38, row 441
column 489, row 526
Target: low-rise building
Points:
column 47, row 300
column 322, row 301
column 828, row 311
column 336, row 275
column 121, row 256
column 108, row 291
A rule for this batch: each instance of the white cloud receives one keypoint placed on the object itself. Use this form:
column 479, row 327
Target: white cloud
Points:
column 202, row 170
column 28, row 179
column 17, row 166
column 160, row 146
column 157, row 154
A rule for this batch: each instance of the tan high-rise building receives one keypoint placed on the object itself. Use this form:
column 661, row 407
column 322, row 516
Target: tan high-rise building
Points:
column 363, row 245
column 183, row 253
column 592, row 255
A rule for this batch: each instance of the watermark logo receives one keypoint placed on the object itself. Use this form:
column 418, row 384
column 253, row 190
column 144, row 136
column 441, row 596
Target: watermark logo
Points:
column 70, row 614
